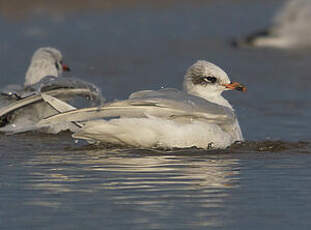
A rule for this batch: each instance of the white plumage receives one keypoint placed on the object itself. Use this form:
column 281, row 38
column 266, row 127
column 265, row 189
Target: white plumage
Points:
column 46, row 61
column 198, row 116
column 23, row 106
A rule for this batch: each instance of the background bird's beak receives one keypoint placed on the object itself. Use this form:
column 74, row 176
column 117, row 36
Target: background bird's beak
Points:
column 236, row 86
column 65, row 67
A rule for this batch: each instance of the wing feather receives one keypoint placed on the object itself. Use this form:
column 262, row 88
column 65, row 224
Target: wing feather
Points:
column 166, row 103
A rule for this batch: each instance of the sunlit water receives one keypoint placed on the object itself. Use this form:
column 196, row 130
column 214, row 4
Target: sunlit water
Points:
column 50, row 182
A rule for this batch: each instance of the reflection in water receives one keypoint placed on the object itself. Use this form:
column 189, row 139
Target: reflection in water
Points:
column 151, row 184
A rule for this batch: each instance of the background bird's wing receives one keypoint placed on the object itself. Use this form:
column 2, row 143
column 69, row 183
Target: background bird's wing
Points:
column 51, row 83
column 56, row 87
column 37, row 98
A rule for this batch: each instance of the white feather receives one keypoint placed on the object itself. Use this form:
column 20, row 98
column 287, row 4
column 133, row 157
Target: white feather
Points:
column 155, row 132
column 167, row 118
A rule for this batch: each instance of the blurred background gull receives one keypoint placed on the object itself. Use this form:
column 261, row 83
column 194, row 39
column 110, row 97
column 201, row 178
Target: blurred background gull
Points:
column 290, row 28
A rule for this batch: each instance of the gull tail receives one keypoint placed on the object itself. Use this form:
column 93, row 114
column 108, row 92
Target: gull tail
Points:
column 60, row 106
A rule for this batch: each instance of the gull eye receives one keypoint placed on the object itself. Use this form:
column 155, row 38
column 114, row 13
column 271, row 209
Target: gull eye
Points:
column 210, row 79
column 203, row 80
column 56, row 65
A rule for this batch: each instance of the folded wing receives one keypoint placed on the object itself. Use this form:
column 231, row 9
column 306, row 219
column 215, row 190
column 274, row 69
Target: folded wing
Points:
column 165, row 103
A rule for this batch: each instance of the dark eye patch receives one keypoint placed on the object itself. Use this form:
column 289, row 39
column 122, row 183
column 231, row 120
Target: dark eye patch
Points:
column 203, row 80
column 210, row 79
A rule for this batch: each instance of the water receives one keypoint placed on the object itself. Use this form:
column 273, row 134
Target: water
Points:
column 50, row 182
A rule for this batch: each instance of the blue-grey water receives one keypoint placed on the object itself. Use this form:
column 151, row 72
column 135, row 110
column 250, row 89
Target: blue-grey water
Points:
column 51, row 182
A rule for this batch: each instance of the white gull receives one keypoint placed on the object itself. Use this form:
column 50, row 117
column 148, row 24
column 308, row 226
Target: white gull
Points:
column 198, row 116
column 290, row 28
column 23, row 106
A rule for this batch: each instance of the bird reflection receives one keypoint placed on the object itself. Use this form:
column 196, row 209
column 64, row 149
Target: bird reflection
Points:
column 147, row 184
column 136, row 178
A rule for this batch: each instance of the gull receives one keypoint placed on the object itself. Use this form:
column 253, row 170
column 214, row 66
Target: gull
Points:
column 46, row 64
column 46, row 61
column 168, row 118
column 290, row 28
column 22, row 106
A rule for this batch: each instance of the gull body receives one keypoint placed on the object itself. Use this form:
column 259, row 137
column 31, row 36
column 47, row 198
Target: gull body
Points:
column 197, row 116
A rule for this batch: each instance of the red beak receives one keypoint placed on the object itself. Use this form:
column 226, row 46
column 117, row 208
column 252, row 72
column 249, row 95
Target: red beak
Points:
column 65, row 67
column 236, row 86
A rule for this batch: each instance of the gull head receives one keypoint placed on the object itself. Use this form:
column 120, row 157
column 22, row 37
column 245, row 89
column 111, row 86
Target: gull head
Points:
column 207, row 80
column 46, row 61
